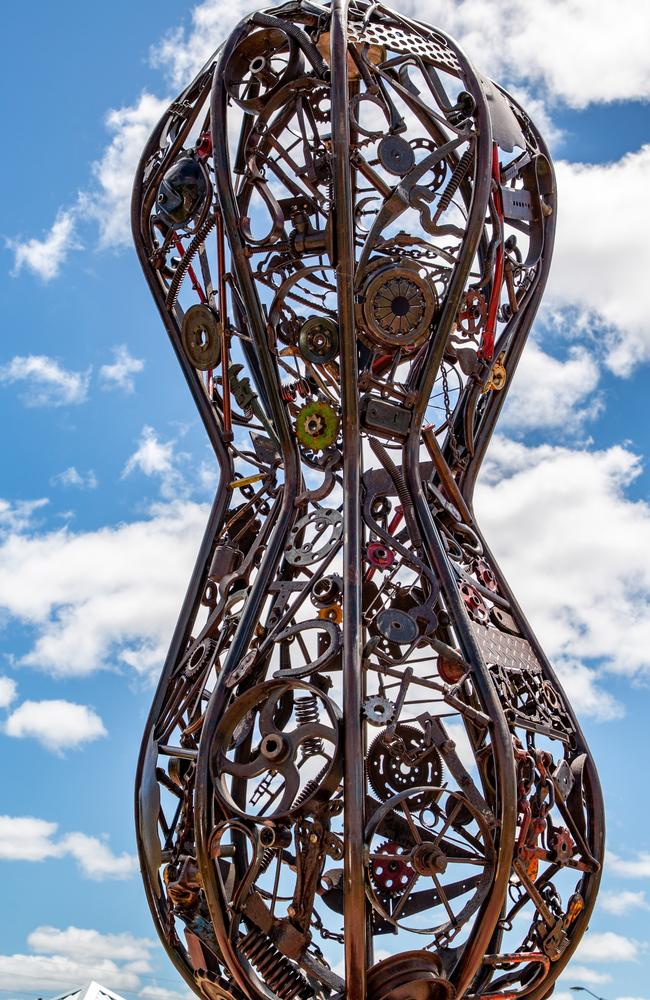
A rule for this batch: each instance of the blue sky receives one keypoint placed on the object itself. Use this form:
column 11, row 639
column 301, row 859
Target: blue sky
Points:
column 107, row 473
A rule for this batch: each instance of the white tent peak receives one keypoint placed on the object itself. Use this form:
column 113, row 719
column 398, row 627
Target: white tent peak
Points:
column 91, row 991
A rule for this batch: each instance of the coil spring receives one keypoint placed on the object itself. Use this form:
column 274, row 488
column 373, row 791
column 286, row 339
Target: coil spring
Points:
column 310, row 788
column 455, row 181
column 267, row 858
column 307, row 713
column 187, row 259
column 274, row 967
column 290, row 390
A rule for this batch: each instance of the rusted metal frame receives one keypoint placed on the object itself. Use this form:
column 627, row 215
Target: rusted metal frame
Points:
column 257, row 594
column 491, row 909
column 595, row 807
column 193, row 594
column 353, row 686
column 522, row 321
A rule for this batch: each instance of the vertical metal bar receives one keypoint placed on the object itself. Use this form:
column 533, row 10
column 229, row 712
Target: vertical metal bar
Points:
column 354, row 797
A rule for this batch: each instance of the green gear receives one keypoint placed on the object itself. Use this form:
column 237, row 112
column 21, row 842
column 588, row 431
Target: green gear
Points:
column 317, row 426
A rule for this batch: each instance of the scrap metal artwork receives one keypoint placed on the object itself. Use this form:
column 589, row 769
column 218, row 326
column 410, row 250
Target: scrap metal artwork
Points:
column 360, row 776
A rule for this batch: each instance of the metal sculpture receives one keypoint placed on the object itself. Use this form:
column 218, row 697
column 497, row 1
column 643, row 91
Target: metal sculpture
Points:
column 357, row 748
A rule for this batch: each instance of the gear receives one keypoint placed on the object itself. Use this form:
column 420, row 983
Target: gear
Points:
column 317, row 425
column 390, row 876
column 397, row 306
column 201, row 337
column 319, row 96
column 404, row 763
column 472, row 313
column 319, row 340
column 378, row 711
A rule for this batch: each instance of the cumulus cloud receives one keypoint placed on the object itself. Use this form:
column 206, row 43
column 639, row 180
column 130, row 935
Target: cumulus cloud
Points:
column 583, row 974
column 119, row 374
column 49, row 384
column 550, row 394
column 602, row 256
column 58, row 725
column 574, row 548
column 108, row 201
column 183, row 51
column 8, row 691
column 46, row 257
column 72, row 477
column 88, row 944
column 28, row 838
column 607, row 947
column 638, row 867
column 156, row 459
column 622, row 903
column 139, row 572
column 59, row 958
column 19, row 514
column 509, row 40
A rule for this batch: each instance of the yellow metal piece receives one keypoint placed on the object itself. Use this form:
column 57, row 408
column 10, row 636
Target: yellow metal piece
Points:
column 332, row 614
column 236, row 483
column 498, row 376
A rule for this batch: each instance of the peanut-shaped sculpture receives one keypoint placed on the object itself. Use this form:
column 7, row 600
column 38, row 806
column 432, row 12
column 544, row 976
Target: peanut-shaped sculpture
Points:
column 360, row 776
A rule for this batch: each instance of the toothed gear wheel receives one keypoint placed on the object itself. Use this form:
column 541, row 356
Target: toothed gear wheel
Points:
column 318, row 97
column 406, row 762
column 391, row 875
column 378, row 711
column 317, row 426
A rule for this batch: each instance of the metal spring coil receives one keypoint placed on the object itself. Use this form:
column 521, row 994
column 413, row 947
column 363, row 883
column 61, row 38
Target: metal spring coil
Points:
column 454, row 181
column 187, row 259
column 274, row 967
column 308, row 713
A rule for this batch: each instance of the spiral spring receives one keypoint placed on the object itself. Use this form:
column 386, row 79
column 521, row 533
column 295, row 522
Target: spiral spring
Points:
column 307, row 714
column 274, row 967
column 454, row 181
column 290, row 390
column 187, row 259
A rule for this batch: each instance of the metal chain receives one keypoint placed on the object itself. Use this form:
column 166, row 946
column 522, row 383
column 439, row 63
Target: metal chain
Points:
column 453, row 441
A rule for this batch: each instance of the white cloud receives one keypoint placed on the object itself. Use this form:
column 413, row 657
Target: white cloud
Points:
column 45, row 257
column 574, row 548
column 602, row 255
column 58, row 725
column 551, row 394
column 88, row 945
column 638, row 867
column 57, row 973
column 139, row 572
column 607, row 947
column 596, row 53
column 61, row 959
column 72, row 477
column 108, row 202
column 8, row 691
column 96, row 859
column 27, row 838
column 18, row 515
column 585, row 975
column 623, row 902
column 182, row 52
column 49, row 384
column 161, row 993
column 119, row 374
column 156, row 458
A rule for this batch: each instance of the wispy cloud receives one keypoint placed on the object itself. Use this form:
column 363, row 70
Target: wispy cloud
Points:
column 45, row 257
column 72, row 477
column 49, row 383
column 158, row 460
column 120, row 374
